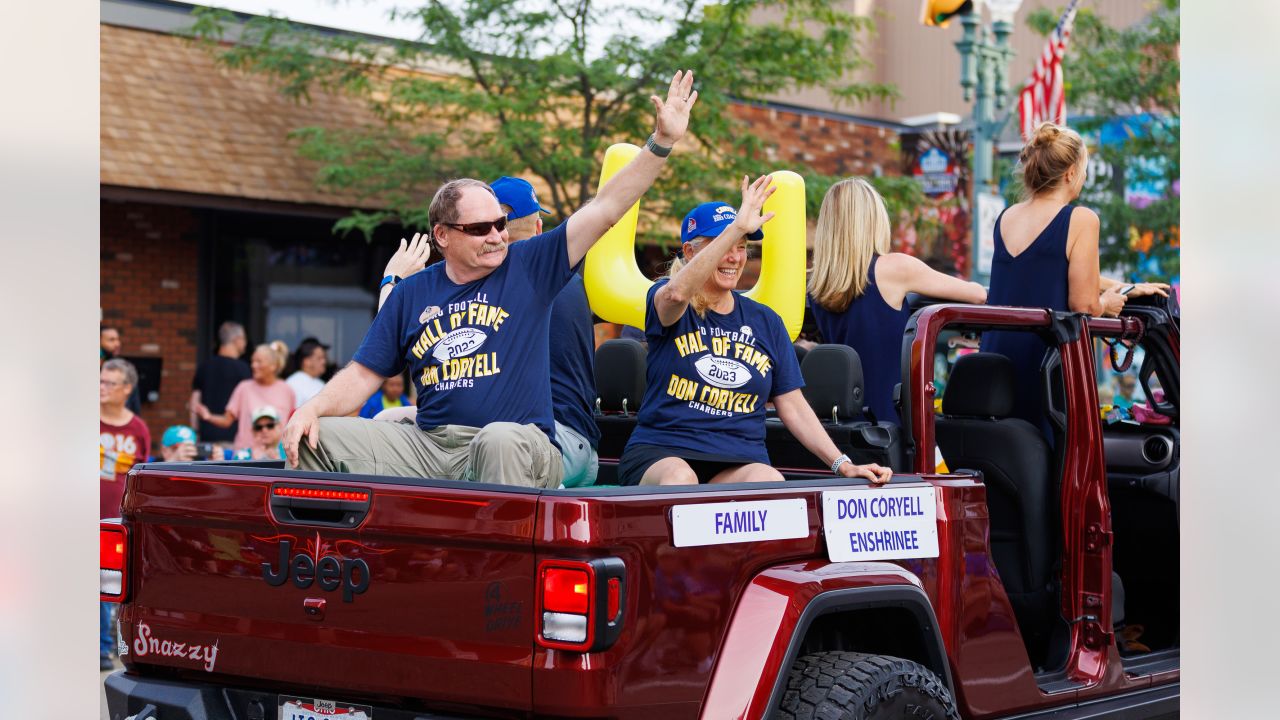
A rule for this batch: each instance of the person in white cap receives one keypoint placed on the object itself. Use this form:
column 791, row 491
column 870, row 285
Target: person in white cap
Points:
column 267, row 430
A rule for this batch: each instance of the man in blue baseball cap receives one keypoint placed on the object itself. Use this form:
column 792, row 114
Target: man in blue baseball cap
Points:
column 178, row 444
column 571, row 340
column 518, row 196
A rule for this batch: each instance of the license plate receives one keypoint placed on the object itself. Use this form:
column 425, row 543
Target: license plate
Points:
column 296, row 708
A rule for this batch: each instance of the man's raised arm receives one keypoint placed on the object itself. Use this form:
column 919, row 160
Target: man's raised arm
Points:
column 587, row 225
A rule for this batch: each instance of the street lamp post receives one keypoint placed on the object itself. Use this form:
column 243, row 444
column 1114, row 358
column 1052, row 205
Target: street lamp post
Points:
column 984, row 65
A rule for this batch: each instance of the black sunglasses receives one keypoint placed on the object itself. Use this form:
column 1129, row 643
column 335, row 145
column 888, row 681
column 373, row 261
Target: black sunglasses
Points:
column 264, row 426
column 480, row 229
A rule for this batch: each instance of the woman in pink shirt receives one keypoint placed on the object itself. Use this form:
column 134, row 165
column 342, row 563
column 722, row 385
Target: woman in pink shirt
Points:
column 264, row 388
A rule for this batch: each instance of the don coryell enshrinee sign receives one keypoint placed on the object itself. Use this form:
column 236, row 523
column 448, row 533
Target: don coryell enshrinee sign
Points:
column 884, row 523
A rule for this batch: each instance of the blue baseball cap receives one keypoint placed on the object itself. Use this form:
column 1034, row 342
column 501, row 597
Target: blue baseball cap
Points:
column 518, row 195
column 178, row 434
column 709, row 220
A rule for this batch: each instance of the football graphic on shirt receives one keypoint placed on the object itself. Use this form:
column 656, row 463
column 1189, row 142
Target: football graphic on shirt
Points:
column 722, row 372
column 459, row 343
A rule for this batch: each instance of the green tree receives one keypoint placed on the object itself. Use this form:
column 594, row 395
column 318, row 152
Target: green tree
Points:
column 1129, row 77
column 543, row 88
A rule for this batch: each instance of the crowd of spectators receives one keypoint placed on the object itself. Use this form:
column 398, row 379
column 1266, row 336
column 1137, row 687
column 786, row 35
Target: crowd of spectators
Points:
column 238, row 410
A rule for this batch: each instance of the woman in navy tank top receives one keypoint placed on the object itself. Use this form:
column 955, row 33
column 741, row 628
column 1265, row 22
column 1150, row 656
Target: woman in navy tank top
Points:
column 1046, row 255
column 858, row 289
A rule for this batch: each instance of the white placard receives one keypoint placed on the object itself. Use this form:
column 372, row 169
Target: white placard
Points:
column 989, row 207
column 734, row 522
column 885, row 523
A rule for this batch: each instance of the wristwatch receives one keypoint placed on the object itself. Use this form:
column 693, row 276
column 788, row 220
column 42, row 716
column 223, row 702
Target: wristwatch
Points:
column 655, row 148
column 389, row 280
column 835, row 464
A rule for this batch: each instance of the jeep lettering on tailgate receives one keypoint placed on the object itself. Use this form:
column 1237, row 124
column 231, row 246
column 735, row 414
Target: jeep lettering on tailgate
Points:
column 329, row 572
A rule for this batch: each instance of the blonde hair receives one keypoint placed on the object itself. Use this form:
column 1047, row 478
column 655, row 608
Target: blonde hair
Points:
column 853, row 227
column 278, row 351
column 698, row 302
column 1047, row 156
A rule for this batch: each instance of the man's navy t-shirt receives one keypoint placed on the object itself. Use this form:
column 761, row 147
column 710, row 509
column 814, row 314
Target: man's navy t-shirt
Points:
column 216, row 378
column 477, row 352
column 573, row 379
column 710, row 377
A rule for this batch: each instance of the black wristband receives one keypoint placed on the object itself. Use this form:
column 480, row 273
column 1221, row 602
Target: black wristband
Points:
column 659, row 150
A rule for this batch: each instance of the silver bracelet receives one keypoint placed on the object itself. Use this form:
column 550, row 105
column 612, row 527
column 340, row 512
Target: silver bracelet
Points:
column 835, row 464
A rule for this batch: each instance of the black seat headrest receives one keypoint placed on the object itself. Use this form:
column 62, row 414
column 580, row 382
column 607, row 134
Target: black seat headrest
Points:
column 981, row 385
column 833, row 379
column 620, row 374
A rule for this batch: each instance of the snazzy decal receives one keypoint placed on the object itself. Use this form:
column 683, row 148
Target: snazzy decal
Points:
column 144, row 644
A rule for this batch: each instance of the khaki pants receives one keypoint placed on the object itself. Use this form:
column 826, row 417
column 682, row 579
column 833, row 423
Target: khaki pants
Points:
column 500, row 452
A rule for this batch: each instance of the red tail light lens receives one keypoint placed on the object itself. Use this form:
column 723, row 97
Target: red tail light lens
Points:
column 113, row 544
column 580, row 604
column 565, row 590
column 615, row 598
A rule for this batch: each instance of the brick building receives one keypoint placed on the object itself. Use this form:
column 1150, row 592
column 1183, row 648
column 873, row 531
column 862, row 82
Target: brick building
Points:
column 209, row 214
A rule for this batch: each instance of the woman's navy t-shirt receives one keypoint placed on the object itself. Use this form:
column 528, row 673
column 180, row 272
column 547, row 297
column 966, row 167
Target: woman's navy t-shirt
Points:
column 710, row 377
column 477, row 352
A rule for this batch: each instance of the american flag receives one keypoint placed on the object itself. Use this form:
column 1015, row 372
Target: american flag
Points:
column 1043, row 99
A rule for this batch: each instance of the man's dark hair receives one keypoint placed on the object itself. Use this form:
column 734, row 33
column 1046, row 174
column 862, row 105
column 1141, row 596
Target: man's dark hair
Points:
column 444, row 204
column 304, row 351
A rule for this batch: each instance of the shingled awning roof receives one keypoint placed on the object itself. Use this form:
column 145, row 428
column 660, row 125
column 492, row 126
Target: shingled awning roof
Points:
column 172, row 120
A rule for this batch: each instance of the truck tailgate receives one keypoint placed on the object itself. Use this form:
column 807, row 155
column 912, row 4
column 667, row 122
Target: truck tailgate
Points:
column 231, row 582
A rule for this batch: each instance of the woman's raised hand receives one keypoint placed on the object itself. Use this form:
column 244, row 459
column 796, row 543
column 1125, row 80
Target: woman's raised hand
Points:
column 410, row 258
column 754, row 195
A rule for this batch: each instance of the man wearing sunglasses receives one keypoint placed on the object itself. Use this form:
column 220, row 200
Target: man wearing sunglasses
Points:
column 474, row 332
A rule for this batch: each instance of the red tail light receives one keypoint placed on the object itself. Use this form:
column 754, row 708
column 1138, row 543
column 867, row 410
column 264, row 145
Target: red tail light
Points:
column 113, row 573
column 565, row 590
column 615, row 598
column 580, row 603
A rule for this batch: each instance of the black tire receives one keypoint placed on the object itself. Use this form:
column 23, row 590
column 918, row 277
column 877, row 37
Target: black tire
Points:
column 856, row 686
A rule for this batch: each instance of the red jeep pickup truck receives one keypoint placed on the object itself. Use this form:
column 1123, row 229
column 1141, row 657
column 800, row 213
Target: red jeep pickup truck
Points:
column 1029, row 582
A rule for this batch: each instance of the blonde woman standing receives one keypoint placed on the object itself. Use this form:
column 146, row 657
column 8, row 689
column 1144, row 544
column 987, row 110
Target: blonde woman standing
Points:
column 858, row 289
column 264, row 388
column 1046, row 256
